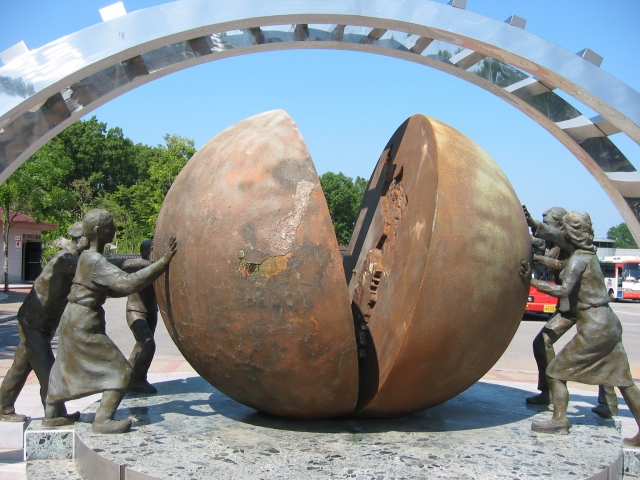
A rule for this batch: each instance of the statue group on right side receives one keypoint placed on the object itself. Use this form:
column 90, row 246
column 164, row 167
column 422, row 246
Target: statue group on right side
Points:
column 595, row 355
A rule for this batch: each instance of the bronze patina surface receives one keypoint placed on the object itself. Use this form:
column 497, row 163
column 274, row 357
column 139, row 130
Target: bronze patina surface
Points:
column 433, row 269
column 88, row 361
column 256, row 298
column 595, row 355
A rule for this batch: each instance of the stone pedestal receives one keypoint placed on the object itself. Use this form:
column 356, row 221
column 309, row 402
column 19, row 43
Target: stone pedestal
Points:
column 41, row 443
column 190, row 430
column 631, row 463
column 12, row 434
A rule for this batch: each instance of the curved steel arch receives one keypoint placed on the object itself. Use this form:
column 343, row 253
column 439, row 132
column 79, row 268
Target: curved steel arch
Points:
column 45, row 90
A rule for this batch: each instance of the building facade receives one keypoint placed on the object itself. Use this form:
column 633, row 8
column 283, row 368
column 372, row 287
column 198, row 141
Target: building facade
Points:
column 25, row 247
column 605, row 248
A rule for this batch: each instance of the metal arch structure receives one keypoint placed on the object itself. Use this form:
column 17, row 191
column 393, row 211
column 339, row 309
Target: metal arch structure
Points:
column 45, row 90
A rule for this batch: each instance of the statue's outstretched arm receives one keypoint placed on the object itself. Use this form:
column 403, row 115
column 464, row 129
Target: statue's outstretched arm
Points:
column 549, row 262
column 573, row 275
column 129, row 264
column 121, row 283
column 538, row 243
column 553, row 235
column 547, row 232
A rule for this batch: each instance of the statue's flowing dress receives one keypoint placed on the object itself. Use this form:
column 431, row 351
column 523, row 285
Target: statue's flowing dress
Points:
column 595, row 355
column 88, row 361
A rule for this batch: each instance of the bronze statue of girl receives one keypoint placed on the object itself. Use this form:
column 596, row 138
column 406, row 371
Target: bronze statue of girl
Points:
column 595, row 355
column 88, row 361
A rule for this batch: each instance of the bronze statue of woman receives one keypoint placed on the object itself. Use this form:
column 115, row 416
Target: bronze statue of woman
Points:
column 88, row 361
column 595, row 355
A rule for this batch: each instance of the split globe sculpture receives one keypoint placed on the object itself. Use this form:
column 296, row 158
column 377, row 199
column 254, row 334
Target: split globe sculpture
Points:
column 256, row 297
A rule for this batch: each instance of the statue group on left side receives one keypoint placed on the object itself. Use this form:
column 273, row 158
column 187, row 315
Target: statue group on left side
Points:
column 69, row 294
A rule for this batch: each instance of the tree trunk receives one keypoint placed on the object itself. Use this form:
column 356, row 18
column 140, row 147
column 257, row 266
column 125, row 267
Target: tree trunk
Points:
column 5, row 236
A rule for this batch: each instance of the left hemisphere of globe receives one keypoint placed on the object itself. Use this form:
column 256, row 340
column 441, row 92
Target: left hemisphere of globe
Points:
column 256, row 298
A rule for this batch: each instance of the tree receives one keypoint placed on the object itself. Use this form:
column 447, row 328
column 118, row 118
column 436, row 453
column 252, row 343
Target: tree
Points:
column 34, row 189
column 444, row 54
column 622, row 235
column 549, row 103
column 553, row 106
column 105, row 169
column 344, row 196
column 135, row 208
column 498, row 73
column 106, row 159
column 168, row 162
column 129, row 207
column 89, row 166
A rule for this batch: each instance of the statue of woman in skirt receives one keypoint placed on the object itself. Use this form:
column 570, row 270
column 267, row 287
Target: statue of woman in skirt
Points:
column 595, row 355
column 88, row 361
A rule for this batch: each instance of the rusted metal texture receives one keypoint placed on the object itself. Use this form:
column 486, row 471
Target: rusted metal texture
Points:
column 433, row 269
column 255, row 298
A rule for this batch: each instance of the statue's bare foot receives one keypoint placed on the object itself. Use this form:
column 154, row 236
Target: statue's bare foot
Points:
column 552, row 426
column 111, row 426
column 543, row 398
column 143, row 387
column 632, row 442
column 13, row 417
column 59, row 421
column 605, row 411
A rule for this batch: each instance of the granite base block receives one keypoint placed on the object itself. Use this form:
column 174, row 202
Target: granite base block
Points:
column 52, row 470
column 190, row 430
column 631, row 463
column 12, row 434
column 41, row 443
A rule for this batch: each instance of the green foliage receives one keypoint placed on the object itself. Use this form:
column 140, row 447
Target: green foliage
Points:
column 36, row 189
column 89, row 166
column 104, row 158
column 622, row 235
column 165, row 166
column 344, row 196
column 445, row 54
column 498, row 73
column 135, row 208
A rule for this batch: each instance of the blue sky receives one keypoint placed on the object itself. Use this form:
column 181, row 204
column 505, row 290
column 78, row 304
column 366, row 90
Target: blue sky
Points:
column 348, row 104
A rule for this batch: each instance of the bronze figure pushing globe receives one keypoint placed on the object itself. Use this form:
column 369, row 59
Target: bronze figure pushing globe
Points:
column 257, row 301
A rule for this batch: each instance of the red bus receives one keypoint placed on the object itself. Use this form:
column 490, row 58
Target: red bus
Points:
column 539, row 302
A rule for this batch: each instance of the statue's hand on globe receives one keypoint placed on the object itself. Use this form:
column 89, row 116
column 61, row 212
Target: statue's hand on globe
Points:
column 171, row 250
column 525, row 271
column 530, row 221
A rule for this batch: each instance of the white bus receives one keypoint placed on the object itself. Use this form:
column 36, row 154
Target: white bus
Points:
column 622, row 277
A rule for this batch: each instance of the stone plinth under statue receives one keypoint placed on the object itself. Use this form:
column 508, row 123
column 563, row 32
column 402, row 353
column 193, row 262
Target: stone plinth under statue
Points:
column 190, row 430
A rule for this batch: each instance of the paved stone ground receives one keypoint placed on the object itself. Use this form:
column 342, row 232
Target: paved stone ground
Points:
column 168, row 358
column 168, row 364
column 516, row 366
